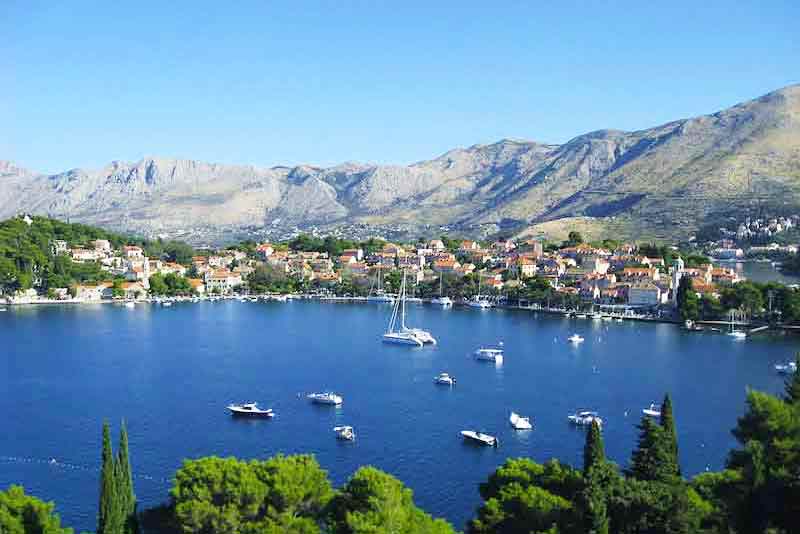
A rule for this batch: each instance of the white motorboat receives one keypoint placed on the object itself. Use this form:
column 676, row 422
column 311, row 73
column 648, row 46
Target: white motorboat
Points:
column 580, row 316
column 597, row 316
column 2, row 309
column 737, row 334
column 575, row 339
column 490, row 354
column 585, row 418
column 652, row 411
column 345, row 433
column 400, row 334
column 480, row 437
column 130, row 304
column 519, row 422
column 786, row 368
column 618, row 319
column 166, row 303
column 249, row 409
column 607, row 317
column 445, row 379
column 328, row 397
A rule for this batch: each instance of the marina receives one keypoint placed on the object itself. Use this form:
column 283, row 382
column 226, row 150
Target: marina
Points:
column 195, row 357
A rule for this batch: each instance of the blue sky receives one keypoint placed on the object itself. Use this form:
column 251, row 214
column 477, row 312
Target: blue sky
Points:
column 267, row 82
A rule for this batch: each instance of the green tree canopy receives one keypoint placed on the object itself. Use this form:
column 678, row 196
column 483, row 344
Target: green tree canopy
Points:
column 24, row 514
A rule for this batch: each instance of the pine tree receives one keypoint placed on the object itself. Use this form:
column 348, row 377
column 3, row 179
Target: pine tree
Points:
column 127, row 499
column 108, row 515
column 593, row 450
column 792, row 394
column 670, row 434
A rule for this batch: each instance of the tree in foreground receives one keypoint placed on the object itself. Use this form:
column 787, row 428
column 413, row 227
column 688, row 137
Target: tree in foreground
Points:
column 667, row 422
column 599, row 478
column 653, row 459
column 24, row 514
column 375, row 502
column 109, row 513
column 124, row 484
column 593, row 450
column 792, row 394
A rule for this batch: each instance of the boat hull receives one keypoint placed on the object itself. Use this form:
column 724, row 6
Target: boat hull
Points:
column 402, row 339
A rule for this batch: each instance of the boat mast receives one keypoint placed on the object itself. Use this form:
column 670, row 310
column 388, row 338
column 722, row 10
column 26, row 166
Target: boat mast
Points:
column 403, row 302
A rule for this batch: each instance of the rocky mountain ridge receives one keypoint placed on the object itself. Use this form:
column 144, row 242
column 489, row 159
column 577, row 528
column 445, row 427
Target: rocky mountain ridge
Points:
column 664, row 180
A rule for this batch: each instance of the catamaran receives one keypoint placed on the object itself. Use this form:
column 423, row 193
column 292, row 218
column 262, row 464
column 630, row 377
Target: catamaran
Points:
column 399, row 333
column 441, row 300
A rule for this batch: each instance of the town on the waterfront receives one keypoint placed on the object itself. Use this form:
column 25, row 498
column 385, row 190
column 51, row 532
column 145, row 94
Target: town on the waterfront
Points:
column 607, row 277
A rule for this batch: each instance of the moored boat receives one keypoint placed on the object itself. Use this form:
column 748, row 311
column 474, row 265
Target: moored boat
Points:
column 585, row 418
column 328, row 397
column 249, row 409
column 652, row 411
column 786, row 368
column 575, row 339
column 519, row 422
column 445, row 379
column 480, row 437
column 345, row 433
column 490, row 354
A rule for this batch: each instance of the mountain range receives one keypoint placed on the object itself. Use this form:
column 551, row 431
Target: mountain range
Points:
column 662, row 182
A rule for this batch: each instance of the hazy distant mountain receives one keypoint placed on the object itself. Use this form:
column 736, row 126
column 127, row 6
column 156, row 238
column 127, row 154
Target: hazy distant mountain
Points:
column 664, row 180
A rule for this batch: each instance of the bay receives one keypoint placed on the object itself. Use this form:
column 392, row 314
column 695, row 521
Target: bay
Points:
column 170, row 372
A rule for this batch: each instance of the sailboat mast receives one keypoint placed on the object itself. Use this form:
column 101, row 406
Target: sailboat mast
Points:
column 403, row 302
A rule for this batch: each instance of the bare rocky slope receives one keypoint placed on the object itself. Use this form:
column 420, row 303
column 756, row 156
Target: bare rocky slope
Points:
column 663, row 181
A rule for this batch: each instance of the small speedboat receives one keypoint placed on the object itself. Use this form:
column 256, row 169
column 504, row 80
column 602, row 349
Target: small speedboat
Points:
column 652, row 411
column 249, row 409
column 597, row 316
column 585, row 418
column 130, row 304
column 737, row 334
column 490, row 354
column 345, row 433
column 480, row 437
column 166, row 303
column 479, row 302
column 786, row 368
column 445, row 379
column 328, row 397
column 442, row 301
column 580, row 316
column 575, row 339
column 519, row 422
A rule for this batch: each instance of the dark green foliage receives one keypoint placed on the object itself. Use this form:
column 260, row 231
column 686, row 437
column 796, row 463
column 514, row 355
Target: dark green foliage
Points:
column 375, row 502
column 173, row 251
column 688, row 303
column 670, row 434
column 169, row 285
column 23, row 514
column 109, row 514
column 593, row 451
column 523, row 496
column 745, row 296
column 267, row 279
column 652, row 507
column 792, row 394
column 125, row 494
column 283, row 494
column 574, row 238
column 653, row 459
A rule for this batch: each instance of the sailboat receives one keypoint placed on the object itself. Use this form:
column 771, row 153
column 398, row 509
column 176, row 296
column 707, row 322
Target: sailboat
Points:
column 736, row 334
column 400, row 334
column 441, row 300
column 380, row 295
column 478, row 301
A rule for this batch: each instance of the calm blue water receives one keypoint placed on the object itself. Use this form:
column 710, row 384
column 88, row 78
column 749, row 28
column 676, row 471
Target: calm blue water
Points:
column 171, row 371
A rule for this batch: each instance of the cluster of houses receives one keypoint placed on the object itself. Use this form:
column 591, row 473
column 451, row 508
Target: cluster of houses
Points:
column 620, row 276
column 760, row 229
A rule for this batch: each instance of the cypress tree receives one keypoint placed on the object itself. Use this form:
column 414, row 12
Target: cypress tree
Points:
column 108, row 514
column 670, row 434
column 593, row 450
column 652, row 459
column 792, row 394
column 127, row 499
